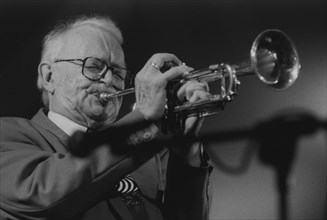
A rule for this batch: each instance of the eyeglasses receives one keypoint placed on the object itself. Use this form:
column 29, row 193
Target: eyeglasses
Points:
column 94, row 68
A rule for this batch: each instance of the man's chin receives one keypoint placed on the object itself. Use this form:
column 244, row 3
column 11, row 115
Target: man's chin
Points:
column 101, row 114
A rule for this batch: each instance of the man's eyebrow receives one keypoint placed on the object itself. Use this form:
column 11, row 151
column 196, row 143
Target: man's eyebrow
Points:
column 113, row 64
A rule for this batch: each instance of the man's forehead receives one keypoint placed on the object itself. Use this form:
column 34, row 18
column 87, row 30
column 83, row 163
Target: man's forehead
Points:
column 90, row 40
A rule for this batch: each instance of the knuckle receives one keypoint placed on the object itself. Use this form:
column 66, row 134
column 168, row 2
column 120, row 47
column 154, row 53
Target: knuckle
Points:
column 202, row 87
column 197, row 93
column 205, row 85
column 188, row 89
column 156, row 56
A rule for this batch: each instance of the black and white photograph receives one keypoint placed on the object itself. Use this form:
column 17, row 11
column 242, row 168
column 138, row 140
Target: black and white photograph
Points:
column 163, row 110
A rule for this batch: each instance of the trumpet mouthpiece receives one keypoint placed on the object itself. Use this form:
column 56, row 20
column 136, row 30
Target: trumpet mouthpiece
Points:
column 104, row 97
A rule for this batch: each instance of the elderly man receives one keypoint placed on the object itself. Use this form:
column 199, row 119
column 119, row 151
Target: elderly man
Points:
column 42, row 177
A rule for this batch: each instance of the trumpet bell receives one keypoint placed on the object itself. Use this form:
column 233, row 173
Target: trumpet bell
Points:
column 274, row 59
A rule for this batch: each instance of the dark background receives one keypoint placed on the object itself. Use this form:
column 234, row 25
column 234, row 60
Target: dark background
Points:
column 200, row 33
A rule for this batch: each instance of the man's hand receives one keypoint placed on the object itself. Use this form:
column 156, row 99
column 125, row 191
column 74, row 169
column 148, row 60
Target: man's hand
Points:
column 193, row 91
column 150, row 91
column 150, row 84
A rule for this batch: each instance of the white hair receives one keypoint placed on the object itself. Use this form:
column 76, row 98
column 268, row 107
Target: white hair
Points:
column 52, row 42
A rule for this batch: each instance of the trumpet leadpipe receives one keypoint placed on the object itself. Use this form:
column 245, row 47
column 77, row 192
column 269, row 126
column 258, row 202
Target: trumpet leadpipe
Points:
column 105, row 97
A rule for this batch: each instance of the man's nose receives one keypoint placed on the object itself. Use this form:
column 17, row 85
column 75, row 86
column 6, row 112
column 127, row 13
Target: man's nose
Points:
column 107, row 78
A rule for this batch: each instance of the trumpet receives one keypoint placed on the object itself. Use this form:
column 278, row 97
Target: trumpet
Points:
column 273, row 59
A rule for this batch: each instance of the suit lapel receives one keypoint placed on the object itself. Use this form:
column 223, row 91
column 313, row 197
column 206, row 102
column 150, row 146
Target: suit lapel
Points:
column 50, row 131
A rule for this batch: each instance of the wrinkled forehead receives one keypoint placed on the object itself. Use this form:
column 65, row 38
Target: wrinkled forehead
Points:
column 87, row 40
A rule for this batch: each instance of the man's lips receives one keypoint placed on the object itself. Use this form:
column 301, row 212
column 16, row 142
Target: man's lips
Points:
column 98, row 94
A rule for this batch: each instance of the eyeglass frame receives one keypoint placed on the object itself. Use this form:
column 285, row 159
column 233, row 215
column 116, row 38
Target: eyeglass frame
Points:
column 111, row 68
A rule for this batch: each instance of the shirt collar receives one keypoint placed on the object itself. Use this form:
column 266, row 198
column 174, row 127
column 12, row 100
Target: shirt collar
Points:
column 67, row 125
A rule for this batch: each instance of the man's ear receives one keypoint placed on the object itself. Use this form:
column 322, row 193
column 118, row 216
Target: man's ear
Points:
column 45, row 73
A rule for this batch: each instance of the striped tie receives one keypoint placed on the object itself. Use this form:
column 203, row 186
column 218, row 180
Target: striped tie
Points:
column 127, row 185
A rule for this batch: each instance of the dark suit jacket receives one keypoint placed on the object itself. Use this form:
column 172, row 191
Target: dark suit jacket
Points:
column 42, row 179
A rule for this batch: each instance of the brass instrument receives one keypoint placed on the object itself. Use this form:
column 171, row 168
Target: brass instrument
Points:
column 273, row 58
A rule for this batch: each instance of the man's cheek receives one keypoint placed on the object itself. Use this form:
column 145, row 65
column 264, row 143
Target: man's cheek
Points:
column 84, row 99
